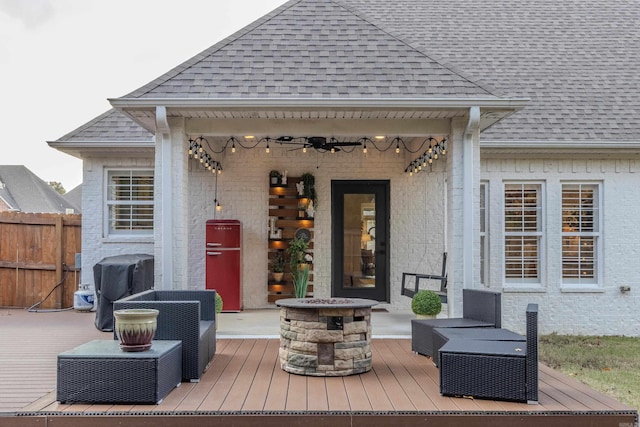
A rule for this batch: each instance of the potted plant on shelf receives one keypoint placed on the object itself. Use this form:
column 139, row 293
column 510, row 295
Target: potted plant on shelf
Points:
column 298, row 262
column 426, row 304
column 277, row 266
column 309, row 188
column 275, row 177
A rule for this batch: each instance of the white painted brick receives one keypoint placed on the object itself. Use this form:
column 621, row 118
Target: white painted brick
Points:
column 606, row 312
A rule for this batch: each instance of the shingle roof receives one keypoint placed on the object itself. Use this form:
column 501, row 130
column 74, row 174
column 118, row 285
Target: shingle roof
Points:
column 578, row 60
column 308, row 49
column 24, row 191
column 109, row 126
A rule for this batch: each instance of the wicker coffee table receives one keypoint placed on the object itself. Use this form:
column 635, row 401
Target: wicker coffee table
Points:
column 99, row 372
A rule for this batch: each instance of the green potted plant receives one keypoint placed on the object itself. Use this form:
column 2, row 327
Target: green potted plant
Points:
column 309, row 188
column 299, row 266
column 426, row 304
column 277, row 266
column 219, row 303
column 219, row 306
column 275, row 177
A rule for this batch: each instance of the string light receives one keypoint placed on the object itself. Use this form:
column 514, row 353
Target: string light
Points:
column 436, row 150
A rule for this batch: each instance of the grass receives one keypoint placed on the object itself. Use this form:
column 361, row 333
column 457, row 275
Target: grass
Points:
column 610, row 364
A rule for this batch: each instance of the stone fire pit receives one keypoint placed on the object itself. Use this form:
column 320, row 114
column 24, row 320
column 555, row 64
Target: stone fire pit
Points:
column 325, row 336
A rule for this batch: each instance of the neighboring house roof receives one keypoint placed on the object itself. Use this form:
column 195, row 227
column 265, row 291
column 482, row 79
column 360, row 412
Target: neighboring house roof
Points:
column 74, row 197
column 577, row 60
column 21, row 190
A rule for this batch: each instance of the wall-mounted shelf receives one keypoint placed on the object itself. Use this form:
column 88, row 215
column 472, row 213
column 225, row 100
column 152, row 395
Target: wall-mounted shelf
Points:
column 284, row 203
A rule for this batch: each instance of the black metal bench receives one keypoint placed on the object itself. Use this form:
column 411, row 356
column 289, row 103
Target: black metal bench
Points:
column 410, row 291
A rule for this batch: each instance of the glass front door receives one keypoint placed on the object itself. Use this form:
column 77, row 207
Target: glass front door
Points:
column 360, row 257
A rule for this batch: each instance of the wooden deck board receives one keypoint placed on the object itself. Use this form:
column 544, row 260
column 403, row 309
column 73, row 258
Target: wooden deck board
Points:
column 245, row 377
column 257, row 395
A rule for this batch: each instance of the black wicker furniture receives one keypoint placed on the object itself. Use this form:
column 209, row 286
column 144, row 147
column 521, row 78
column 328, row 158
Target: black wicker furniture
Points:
column 443, row 335
column 188, row 316
column 480, row 309
column 500, row 370
column 100, row 372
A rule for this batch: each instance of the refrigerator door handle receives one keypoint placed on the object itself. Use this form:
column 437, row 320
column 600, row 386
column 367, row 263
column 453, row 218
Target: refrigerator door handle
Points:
column 213, row 245
column 214, row 253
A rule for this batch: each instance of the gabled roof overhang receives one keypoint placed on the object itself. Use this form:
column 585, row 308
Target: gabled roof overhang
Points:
column 334, row 116
column 92, row 148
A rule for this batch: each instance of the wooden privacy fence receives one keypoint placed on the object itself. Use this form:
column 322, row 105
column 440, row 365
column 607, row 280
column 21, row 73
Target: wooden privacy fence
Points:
column 37, row 252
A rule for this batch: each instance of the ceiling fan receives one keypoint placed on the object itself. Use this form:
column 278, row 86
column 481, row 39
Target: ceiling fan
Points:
column 319, row 143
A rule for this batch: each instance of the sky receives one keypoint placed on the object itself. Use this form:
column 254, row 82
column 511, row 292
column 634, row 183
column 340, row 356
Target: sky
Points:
column 61, row 59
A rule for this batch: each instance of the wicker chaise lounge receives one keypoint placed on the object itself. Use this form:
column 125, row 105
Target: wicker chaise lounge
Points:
column 480, row 309
column 188, row 316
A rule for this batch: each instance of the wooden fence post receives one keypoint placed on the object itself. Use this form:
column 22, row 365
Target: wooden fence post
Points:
column 60, row 251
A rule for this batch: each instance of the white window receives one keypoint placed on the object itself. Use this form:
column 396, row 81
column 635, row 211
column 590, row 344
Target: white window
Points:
column 484, row 226
column 580, row 233
column 522, row 233
column 129, row 202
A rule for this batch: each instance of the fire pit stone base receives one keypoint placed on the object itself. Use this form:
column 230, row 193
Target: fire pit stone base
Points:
column 321, row 340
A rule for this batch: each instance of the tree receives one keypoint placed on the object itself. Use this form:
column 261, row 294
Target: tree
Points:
column 57, row 186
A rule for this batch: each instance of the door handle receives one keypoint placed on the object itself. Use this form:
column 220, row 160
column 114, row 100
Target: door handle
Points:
column 214, row 245
column 214, row 253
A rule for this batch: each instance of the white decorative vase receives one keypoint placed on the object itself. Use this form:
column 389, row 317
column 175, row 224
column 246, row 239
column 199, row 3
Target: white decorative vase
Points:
column 135, row 327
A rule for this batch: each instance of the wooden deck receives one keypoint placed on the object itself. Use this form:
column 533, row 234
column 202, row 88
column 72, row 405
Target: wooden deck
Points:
column 244, row 385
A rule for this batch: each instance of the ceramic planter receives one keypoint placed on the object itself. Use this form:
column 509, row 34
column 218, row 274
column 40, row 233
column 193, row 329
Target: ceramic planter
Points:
column 135, row 328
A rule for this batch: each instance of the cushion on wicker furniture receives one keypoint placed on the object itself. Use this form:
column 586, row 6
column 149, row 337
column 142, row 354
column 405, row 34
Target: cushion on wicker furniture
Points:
column 442, row 335
column 189, row 316
column 480, row 309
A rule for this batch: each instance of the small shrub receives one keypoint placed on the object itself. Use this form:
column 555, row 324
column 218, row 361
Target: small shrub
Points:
column 426, row 303
column 219, row 303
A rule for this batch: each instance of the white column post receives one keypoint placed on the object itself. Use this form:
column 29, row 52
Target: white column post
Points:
column 163, row 173
column 470, row 140
column 462, row 169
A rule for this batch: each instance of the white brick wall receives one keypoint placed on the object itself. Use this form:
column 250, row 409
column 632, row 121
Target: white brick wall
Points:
column 95, row 245
column 605, row 311
column 416, row 212
column 417, row 227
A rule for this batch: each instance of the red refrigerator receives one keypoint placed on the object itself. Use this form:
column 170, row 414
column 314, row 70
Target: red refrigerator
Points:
column 224, row 261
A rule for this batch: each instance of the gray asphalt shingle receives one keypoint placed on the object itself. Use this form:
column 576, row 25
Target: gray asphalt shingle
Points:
column 578, row 61
column 311, row 49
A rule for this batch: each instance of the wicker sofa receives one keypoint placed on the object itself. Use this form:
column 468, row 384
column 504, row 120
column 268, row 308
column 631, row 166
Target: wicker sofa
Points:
column 502, row 370
column 188, row 316
column 480, row 309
